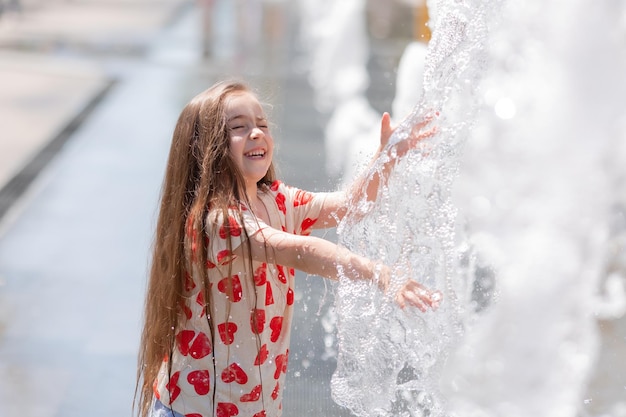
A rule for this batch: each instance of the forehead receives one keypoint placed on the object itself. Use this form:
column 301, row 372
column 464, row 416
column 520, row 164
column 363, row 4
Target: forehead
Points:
column 243, row 104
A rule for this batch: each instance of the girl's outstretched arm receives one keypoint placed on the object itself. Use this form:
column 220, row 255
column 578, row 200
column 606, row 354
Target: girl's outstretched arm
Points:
column 318, row 256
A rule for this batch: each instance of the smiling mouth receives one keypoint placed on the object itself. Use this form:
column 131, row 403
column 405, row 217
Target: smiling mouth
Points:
column 255, row 154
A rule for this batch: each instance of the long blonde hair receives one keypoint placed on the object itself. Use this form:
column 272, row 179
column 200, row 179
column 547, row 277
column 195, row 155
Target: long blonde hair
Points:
column 200, row 173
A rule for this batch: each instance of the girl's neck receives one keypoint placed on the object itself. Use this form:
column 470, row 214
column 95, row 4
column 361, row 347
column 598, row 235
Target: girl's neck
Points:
column 258, row 207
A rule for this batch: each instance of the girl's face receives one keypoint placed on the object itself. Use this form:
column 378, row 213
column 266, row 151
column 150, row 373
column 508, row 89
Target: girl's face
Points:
column 251, row 144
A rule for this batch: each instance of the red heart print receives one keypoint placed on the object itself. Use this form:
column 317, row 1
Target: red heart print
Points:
column 292, row 272
column 269, row 297
column 232, row 228
column 224, row 286
column 307, row 224
column 254, row 395
column 261, row 357
column 155, row 389
column 280, row 202
column 289, row 297
column 209, row 264
column 227, row 332
column 200, row 380
column 260, row 414
column 275, row 185
column 234, row 373
column 185, row 308
column 260, row 276
column 276, row 391
column 189, row 284
column 190, row 229
column 200, row 298
column 276, row 324
column 227, row 410
column 302, row 197
column 257, row 320
column 281, row 274
column 281, row 364
column 172, row 386
column 183, row 340
column 193, row 415
column 200, row 347
column 224, row 257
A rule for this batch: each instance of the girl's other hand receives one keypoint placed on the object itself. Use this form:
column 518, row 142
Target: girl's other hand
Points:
column 417, row 295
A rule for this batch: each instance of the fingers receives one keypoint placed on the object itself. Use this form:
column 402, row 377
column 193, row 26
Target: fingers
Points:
column 385, row 129
column 416, row 295
column 418, row 134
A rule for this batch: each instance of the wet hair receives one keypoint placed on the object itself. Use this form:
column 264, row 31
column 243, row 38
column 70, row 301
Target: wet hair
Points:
column 200, row 175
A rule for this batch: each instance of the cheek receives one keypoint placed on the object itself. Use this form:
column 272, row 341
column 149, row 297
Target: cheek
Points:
column 235, row 146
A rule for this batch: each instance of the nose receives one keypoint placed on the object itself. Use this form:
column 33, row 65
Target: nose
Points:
column 256, row 133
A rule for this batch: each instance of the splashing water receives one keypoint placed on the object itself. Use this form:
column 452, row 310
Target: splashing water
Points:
column 521, row 182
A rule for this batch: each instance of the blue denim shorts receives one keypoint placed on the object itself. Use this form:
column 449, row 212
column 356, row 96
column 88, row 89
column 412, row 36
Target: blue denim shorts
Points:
column 160, row 410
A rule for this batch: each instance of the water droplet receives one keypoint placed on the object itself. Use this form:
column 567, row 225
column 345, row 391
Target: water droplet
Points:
column 505, row 108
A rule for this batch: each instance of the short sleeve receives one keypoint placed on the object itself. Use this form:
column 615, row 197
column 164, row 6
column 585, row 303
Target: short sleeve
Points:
column 234, row 229
column 301, row 208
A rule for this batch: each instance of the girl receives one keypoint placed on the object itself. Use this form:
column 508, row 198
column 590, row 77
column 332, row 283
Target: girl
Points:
column 229, row 236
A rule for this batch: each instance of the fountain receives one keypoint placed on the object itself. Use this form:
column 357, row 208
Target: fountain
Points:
column 523, row 188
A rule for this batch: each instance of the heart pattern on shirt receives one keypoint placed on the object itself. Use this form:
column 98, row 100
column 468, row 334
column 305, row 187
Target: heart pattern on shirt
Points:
column 230, row 229
column 189, row 284
column 227, row 332
column 253, row 395
column 257, row 320
column 280, row 202
column 227, row 410
column 261, row 357
column 306, row 225
column 281, row 364
column 198, row 346
column 200, row 381
column 172, row 386
column 260, row 275
column 234, row 373
column 276, row 324
column 224, row 257
column 281, row 274
column 269, row 297
column 276, row 391
column 231, row 287
column 302, row 197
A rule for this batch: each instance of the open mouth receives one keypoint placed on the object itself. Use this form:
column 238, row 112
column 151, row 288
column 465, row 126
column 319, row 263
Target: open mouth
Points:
column 259, row 153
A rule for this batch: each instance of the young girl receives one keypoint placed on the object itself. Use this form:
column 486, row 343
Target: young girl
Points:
column 229, row 236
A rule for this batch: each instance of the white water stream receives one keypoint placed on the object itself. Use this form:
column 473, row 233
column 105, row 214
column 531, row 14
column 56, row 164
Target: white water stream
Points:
column 515, row 212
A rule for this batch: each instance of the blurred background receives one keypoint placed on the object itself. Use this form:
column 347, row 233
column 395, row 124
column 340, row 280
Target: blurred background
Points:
column 90, row 91
column 89, row 94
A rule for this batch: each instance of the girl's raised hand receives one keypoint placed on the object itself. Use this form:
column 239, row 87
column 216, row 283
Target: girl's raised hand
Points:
column 418, row 133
